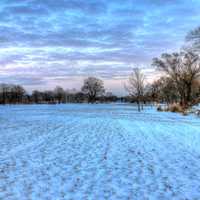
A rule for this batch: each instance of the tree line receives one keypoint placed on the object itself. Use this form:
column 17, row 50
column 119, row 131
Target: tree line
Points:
column 92, row 91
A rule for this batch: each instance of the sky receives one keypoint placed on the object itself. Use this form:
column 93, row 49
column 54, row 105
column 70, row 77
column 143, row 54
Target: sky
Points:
column 45, row 43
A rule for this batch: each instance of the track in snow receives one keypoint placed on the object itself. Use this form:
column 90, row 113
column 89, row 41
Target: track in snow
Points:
column 97, row 152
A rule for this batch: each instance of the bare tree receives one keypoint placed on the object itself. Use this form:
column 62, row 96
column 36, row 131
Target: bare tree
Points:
column 182, row 69
column 19, row 93
column 136, row 86
column 37, row 96
column 190, row 73
column 93, row 87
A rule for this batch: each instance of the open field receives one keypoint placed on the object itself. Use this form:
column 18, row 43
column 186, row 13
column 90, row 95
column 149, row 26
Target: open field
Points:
column 97, row 152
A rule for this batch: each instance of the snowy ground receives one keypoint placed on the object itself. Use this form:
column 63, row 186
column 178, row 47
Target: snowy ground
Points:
column 97, row 152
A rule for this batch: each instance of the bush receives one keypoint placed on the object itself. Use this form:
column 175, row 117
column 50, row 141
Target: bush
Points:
column 176, row 108
column 185, row 113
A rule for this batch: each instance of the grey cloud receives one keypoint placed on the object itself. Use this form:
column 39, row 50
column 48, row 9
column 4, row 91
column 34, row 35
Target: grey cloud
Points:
column 124, row 32
column 22, row 80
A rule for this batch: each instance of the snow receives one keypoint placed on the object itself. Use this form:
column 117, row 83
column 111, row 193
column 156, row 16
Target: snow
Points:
column 97, row 152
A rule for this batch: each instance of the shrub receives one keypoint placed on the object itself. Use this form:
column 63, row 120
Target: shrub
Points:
column 185, row 113
column 176, row 108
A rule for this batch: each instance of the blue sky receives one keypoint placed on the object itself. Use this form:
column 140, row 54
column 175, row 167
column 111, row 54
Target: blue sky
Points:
column 48, row 43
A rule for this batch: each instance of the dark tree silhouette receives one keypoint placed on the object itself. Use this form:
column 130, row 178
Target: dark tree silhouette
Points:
column 60, row 94
column 93, row 87
column 12, row 94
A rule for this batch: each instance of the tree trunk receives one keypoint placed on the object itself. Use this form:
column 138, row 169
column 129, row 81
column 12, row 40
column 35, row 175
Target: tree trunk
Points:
column 91, row 99
column 138, row 103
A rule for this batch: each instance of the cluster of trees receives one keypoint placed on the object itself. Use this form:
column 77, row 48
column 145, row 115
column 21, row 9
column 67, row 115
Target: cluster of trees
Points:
column 12, row 94
column 180, row 82
column 92, row 91
column 180, row 77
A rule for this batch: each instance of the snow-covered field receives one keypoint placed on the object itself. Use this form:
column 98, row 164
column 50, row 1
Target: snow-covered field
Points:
column 97, row 152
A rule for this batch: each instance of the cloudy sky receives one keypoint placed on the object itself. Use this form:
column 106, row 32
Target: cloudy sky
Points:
column 44, row 43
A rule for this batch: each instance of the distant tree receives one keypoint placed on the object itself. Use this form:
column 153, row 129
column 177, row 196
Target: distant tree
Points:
column 37, row 96
column 136, row 85
column 110, row 97
column 19, row 93
column 93, row 87
column 49, row 96
column 11, row 94
column 4, row 93
column 60, row 94
column 2, row 99
column 79, row 97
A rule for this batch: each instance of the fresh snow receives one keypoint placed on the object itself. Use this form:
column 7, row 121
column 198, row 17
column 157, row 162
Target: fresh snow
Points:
column 97, row 152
